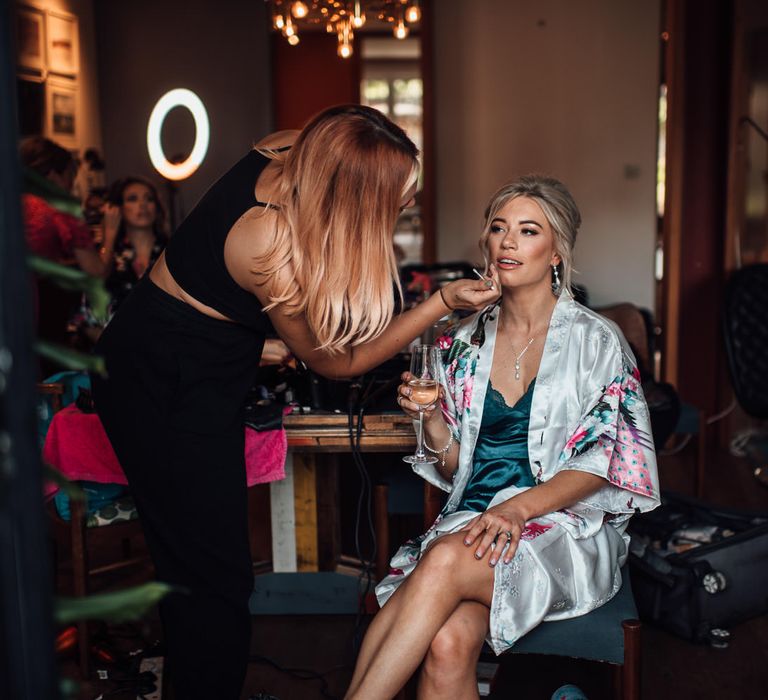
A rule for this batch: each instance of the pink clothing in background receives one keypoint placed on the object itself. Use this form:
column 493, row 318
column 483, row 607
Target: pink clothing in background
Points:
column 77, row 446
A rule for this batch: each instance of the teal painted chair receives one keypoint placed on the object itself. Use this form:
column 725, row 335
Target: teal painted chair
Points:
column 610, row 634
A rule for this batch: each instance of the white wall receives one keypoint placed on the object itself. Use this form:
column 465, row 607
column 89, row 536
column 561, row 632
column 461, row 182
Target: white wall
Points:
column 563, row 87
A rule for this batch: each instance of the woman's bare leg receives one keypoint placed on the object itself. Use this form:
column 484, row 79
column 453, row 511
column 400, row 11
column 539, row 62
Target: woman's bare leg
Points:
column 449, row 669
column 376, row 632
column 396, row 643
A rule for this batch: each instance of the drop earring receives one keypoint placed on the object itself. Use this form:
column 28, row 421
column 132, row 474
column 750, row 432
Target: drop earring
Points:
column 556, row 281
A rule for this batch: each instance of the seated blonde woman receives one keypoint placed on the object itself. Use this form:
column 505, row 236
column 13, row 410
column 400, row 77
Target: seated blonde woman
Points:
column 545, row 448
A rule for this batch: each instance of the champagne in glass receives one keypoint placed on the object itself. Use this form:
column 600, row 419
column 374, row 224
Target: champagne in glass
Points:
column 424, row 392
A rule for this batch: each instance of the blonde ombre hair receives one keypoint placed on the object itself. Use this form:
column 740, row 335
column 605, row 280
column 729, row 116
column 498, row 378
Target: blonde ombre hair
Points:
column 339, row 195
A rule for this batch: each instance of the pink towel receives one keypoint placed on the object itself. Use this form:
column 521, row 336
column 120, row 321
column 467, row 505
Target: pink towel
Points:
column 78, row 447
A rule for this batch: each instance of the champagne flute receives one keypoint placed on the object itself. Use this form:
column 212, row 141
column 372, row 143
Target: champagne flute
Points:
column 424, row 392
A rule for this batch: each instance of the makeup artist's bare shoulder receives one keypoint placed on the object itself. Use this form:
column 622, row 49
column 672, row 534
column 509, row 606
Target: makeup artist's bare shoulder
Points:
column 279, row 139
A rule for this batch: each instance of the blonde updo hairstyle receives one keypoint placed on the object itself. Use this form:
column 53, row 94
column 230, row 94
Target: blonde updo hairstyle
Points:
column 559, row 208
column 341, row 188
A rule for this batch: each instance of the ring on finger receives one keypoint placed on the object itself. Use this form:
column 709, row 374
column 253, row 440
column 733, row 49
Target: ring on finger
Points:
column 508, row 533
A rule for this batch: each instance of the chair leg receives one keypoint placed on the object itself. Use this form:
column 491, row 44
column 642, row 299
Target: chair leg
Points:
column 79, row 578
column 381, row 527
column 630, row 671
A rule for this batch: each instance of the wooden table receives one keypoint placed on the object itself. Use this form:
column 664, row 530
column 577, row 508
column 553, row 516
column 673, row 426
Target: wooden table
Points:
column 305, row 578
column 314, row 441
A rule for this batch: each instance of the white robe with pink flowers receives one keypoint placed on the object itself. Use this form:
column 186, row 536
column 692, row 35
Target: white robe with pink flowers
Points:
column 588, row 413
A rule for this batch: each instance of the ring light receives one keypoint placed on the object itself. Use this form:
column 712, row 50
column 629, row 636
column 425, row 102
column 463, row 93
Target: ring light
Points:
column 180, row 97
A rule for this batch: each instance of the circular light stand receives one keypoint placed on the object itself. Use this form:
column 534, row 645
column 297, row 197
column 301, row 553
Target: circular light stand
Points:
column 180, row 97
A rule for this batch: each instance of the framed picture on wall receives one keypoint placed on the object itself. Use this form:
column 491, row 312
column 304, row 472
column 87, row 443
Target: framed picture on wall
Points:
column 30, row 38
column 61, row 120
column 62, row 42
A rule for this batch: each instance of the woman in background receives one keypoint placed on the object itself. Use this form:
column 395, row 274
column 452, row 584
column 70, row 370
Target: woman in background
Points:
column 298, row 232
column 545, row 448
column 59, row 237
column 53, row 234
column 134, row 219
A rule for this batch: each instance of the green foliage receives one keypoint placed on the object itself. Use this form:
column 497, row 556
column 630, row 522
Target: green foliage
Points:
column 71, row 278
column 131, row 603
column 70, row 359
column 120, row 606
column 70, row 689
column 34, row 183
column 73, row 491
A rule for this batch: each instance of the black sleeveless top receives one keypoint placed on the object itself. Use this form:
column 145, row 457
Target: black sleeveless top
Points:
column 195, row 253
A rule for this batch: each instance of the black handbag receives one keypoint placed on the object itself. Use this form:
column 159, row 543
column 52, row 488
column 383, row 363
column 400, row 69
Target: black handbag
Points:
column 697, row 569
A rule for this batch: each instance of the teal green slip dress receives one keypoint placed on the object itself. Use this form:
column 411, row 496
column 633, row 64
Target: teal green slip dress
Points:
column 501, row 453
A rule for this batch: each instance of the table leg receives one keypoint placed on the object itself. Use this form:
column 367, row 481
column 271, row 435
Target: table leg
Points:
column 293, row 504
column 283, row 517
column 305, row 500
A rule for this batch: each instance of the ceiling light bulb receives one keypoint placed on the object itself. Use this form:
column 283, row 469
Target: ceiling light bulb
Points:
column 278, row 21
column 293, row 39
column 401, row 31
column 299, row 9
column 358, row 16
column 413, row 13
column 344, row 50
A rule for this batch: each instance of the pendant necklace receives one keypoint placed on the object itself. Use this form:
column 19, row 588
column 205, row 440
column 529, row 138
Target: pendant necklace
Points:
column 519, row 357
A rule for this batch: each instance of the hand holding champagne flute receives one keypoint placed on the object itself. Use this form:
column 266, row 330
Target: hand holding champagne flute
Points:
column 424, row 392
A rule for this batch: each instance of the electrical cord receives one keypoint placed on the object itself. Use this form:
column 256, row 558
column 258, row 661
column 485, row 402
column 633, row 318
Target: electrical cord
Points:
column 365, row 580
column 302, row 674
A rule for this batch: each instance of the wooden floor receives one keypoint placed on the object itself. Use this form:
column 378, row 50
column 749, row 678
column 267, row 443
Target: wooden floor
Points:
column 309, row 657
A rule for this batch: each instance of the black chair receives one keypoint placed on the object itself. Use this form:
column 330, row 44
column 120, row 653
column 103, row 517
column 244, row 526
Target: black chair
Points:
column 745, row 330
column 745, row 327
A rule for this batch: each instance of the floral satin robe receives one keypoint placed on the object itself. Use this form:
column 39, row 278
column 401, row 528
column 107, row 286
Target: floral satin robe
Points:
column 588, row 413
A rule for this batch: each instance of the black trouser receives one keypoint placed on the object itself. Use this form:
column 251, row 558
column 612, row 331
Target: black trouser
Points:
column 171, row 408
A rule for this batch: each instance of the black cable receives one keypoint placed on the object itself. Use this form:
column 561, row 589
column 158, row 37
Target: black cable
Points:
column 364, row 496
column 302, row 674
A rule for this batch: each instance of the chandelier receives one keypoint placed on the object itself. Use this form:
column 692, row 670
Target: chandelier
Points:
column 343, row 18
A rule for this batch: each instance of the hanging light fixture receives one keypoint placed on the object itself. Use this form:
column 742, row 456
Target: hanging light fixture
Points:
column 401, row 28
column 343, row 17
column 299, row 10
column 413, row 12
column 358, row 16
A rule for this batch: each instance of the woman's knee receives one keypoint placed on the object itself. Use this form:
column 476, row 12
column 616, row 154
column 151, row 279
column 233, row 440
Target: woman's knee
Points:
column 445, row 554
column 454, row 648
